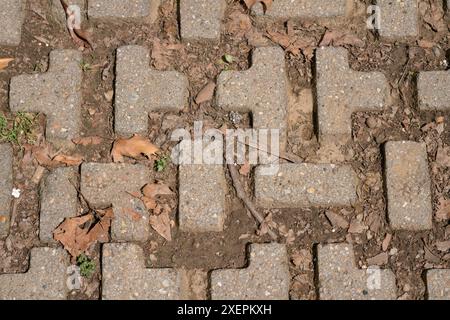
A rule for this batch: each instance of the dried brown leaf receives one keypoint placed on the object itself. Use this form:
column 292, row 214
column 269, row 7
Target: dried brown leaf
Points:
column 153, row 190
column 69, row 160
column 337, row 38
column 206, row 94
column 86, row 141
column 161, row 224
column 4, row 62
column 133, row 148
column 77, row 238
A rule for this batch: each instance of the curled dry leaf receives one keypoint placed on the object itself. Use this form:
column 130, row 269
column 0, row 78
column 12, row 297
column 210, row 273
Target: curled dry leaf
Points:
column 338, row 38
column 4, row 62
column 77, row 234
column 86, row 141
column 161, row 224
column 156, row 189
column 206, row 94
column 133, row 148
column 69, row 160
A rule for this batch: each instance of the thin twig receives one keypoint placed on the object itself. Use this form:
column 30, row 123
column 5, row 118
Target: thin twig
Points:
column 248, row 203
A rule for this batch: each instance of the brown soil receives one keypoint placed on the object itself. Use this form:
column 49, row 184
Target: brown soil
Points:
column 201, row 62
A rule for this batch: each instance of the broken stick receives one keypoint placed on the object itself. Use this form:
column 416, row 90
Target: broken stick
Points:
column 243, row 196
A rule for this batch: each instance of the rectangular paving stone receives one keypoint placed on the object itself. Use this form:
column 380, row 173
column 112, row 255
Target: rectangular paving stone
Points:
column 45, row 280
column 438, row 284
column 104, row 185
column 340, row 278
column 125, row 277
column 201, row 19
column 304, row 9
column 342, row 91
column 399, row 18
column 202, row 191
column 59, row 200
column 140, row 90
column 408, row 186
column 12, row 14
column 306, row 185
column 124, row 9
column 434, row 90
column 261, row 90
column 6, row 187
column 267, row 276
column 56, row 93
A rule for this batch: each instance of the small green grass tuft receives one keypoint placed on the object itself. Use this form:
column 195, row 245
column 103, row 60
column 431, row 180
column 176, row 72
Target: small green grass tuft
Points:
column 18, row 129
column 85, row 66
column 161, row 164
column 87, row 266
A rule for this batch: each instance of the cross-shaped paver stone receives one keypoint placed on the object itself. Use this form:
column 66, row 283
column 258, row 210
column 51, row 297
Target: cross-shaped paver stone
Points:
column 113, row 184
column 261, row 90
column 342, row 91
column 57, row 94
column 141, row 90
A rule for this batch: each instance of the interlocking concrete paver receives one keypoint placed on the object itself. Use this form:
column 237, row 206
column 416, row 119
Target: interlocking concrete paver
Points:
column 6, row 187
column 59, row 200
column 399, row 18
column 438, row 284
column 304, row 9
column 342, row 91
column 340, row 278
column 261, row 90
column 408, row 186
column 140, row 90
column 45, row 280
column 304, row 185
column 126, row 277
column 104, row 185
column 12, row 14
column 434, row 90
column 266, row 277
column 56, row 93
column 201, row 19
column 124, row 9
column 202, row 198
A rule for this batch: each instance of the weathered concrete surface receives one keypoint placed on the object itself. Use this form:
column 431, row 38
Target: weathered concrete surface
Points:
column 266, row 278
column 6, row 187
column 201, row 19
column 408, row 186
column 125, row 276
column 59, row 200
column 140, row 90
column 434, row 90
column 340, row 278
column 57, row 94
column 261, row 90
column 305, row 185
column 438, row 284
column 399, row 18
column 104, row 185
column 202, row 198
column 45, row 280
column 12, row 14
